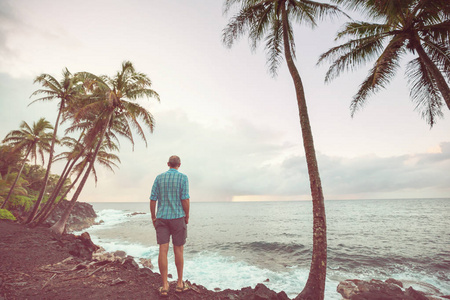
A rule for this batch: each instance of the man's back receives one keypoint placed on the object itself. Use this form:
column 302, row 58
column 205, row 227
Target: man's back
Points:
column 169, row 189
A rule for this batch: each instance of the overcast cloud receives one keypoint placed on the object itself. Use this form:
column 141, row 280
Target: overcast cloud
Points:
column 235, row 127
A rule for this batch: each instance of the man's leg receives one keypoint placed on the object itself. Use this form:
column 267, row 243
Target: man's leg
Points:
column 163, row 264
column 179, row 263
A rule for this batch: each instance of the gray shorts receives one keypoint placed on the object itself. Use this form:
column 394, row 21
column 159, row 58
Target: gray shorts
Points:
column 176, row 228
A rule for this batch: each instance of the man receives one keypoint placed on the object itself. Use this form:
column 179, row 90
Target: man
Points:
column 171, row 191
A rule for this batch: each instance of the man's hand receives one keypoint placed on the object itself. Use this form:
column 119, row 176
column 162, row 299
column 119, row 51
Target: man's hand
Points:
column 154, row 221
column 186, row 219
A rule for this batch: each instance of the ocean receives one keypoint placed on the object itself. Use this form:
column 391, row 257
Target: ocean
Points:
column 239, row 244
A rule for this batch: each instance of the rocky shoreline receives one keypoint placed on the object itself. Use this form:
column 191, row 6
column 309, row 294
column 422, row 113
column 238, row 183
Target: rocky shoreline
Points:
column 81, row 217
column 392, row 289
column 36, row 264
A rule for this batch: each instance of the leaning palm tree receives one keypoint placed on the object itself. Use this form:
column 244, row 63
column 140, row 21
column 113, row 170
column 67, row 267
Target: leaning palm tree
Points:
column 271, row 20
column 32, row 141
column 66, row 90
column 420, row 28
column 112, row 103
column 104, row 158
column 72, row 156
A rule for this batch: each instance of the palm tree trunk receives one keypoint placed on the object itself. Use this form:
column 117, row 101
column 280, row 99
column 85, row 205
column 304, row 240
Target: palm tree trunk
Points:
column 54, row 194
column 48, row 209
column 315, row 286
column 47, row 173
column 46, row 214
column 17, row 177
column 440, row 80
column 59, row 226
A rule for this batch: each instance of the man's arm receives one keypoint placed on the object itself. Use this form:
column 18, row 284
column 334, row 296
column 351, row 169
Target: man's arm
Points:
column 153, row 211
column 185, row 204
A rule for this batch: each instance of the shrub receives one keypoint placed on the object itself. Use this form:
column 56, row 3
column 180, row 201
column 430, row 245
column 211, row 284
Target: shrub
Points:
column 22, row 203
column 6, row 215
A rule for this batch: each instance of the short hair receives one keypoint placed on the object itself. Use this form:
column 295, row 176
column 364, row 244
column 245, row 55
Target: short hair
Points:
column 174, row 161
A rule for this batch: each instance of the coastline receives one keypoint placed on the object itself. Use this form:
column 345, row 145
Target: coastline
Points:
column 35, row 264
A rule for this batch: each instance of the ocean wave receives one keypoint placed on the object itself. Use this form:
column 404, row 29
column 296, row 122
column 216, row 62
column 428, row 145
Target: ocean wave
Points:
column 111, row 217
column 275, row 247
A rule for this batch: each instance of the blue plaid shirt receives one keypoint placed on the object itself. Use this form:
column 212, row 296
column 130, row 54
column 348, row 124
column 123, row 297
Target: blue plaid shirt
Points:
column 169, row 189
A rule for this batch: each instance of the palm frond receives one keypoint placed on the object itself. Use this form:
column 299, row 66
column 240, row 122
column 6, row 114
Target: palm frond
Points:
column 349, row 56
column 424, row 91
column 440, row 54
column 380, row 75
column 319, row 10
column 274, row 46
column 242, row 22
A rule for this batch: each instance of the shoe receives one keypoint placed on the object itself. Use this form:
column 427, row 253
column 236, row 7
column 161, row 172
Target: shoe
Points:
column 163, row 292
column 184, row 288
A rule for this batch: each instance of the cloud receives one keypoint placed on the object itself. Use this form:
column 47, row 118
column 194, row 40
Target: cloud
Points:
column 28, row 42
column 239, row 160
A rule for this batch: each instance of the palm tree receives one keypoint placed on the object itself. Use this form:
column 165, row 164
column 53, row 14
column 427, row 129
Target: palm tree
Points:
column 66, row 90
column 103, row 158
column 71, row 157
column 111, row 103
column 271, row 20
column 6, row 184
column 33, row 141
column 420, row 28
column 9, row 159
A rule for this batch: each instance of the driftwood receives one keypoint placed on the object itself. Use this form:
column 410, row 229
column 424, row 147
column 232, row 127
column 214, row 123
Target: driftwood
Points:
column 86, row 276
column 48, row 281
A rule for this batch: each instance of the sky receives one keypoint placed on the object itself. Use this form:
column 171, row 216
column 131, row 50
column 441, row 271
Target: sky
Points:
column 235, row 127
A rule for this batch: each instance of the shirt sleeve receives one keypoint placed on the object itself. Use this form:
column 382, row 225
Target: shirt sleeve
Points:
column 185, row 189
column 155, row 191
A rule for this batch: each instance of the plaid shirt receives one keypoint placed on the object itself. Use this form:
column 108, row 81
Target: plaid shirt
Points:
column 169, row 189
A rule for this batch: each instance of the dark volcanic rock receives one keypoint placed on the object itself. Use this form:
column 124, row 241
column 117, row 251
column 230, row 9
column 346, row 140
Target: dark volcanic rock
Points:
column 81, row 217
column 377, row 290
column 82, row 246
column 35, row 264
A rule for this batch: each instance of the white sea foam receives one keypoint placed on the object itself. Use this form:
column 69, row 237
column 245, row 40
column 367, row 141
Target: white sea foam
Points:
column 111, row 217
column 215, row 268
column 134, row 250
column 215, row 271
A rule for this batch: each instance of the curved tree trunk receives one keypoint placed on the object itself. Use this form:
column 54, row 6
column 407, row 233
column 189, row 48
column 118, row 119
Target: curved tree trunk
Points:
column 315, row 286
column 17, row 177
column 48, row 209
column 47, row 173
column 47, row 213
column 54, row 194
column 59, row 226
column 440, row 80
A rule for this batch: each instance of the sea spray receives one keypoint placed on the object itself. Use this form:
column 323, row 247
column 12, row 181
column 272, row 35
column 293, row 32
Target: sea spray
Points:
column 235, row 245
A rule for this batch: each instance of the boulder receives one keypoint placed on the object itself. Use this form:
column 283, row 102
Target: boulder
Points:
column 416, row 295
column 146, row 262
column 81, row 217
column 129, row 263
column 394, row 281
column 390, row 289
column 83, row 246
column 120, row 253
column 262, row 292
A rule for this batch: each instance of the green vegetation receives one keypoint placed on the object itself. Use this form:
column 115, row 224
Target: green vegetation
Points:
column 98, row 110
column 33, row 141
column 6, row 215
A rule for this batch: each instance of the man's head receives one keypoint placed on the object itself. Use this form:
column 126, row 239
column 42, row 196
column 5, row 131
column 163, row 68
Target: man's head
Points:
column 174, row 162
